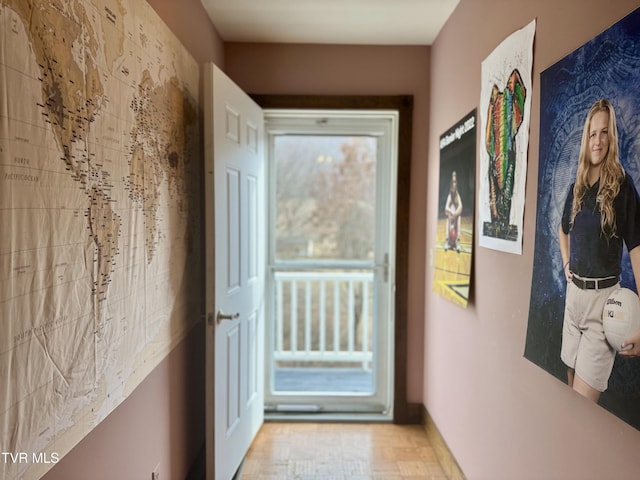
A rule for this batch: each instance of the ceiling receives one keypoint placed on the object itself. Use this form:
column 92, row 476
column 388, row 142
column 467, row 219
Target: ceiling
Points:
column 353, row 22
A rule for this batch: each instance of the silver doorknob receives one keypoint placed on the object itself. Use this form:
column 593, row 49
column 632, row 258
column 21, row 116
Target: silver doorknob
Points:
column 221, row 316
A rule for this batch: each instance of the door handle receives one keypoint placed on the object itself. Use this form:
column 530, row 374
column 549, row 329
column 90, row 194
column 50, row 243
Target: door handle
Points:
column 221, row 316
column 385, row 271
column 384, row 266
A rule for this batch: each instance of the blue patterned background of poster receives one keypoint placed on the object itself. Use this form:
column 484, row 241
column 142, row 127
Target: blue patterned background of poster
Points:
column 607, row 66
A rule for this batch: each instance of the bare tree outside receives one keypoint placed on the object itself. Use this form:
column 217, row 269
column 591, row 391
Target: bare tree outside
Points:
column 325, row 197
column 325, row 212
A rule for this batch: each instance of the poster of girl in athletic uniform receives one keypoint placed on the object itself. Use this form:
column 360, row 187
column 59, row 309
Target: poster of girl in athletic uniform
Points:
column 454, row 238
column 607, row 67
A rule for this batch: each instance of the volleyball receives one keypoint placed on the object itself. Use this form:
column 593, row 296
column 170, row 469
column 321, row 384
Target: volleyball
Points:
column 621, row 316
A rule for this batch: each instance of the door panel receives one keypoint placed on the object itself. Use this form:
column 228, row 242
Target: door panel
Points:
column 233, row 230
column 230, row 386
column 235, row 258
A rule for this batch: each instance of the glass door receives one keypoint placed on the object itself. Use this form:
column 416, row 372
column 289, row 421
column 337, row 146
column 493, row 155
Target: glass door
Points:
column 332, row 198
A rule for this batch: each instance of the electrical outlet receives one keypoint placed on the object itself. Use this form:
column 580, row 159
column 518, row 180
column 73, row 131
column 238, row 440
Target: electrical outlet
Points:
column 155, row 475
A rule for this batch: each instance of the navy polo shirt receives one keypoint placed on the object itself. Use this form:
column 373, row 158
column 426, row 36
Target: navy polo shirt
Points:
column 594, row 254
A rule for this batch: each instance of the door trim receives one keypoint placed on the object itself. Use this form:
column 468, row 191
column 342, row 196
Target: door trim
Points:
column 403, row 412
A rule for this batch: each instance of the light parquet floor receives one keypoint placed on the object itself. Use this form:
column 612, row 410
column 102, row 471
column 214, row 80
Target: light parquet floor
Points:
column 341, row 451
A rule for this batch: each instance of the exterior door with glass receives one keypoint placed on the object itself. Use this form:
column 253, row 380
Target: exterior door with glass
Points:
column 331, row 255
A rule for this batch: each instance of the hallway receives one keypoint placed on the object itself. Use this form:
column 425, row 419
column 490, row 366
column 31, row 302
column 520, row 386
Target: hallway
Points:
column 341, row 451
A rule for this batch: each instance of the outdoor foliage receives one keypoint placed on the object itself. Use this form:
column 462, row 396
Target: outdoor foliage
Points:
column 325, row 211
column 325, row 197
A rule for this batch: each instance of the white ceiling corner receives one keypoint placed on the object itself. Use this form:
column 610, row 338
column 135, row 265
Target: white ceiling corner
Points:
column 352, row 22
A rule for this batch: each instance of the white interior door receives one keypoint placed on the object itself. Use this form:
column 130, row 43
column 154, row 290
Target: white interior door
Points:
column 235, row 259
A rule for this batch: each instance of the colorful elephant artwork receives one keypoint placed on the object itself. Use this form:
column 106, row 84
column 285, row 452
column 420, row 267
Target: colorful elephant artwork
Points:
column 504, row 117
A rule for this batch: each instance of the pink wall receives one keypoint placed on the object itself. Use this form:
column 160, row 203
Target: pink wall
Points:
column 356, row 70
column 502, row 416
column 162, row 421
column 190, row 23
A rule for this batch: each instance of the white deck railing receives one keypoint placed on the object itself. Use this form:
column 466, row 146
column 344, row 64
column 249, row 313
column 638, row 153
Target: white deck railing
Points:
column 323, row 317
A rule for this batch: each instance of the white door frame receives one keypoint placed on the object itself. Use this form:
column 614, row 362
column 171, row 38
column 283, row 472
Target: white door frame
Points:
column 403, row 411
column 382, row 124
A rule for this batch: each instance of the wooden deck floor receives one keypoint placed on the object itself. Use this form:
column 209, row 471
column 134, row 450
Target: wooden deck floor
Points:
column 316, row 379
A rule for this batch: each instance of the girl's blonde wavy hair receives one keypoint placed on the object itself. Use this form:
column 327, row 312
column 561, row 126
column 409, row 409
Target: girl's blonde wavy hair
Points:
column 611, row 172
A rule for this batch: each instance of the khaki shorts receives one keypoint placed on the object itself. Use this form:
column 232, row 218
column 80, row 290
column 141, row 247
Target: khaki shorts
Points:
column 584, row 346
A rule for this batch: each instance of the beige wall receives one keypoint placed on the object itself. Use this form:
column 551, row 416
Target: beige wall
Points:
column 502, row 416
column 357, row 70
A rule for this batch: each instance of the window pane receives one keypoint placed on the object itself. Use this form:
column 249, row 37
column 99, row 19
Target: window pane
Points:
column 325, row 197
